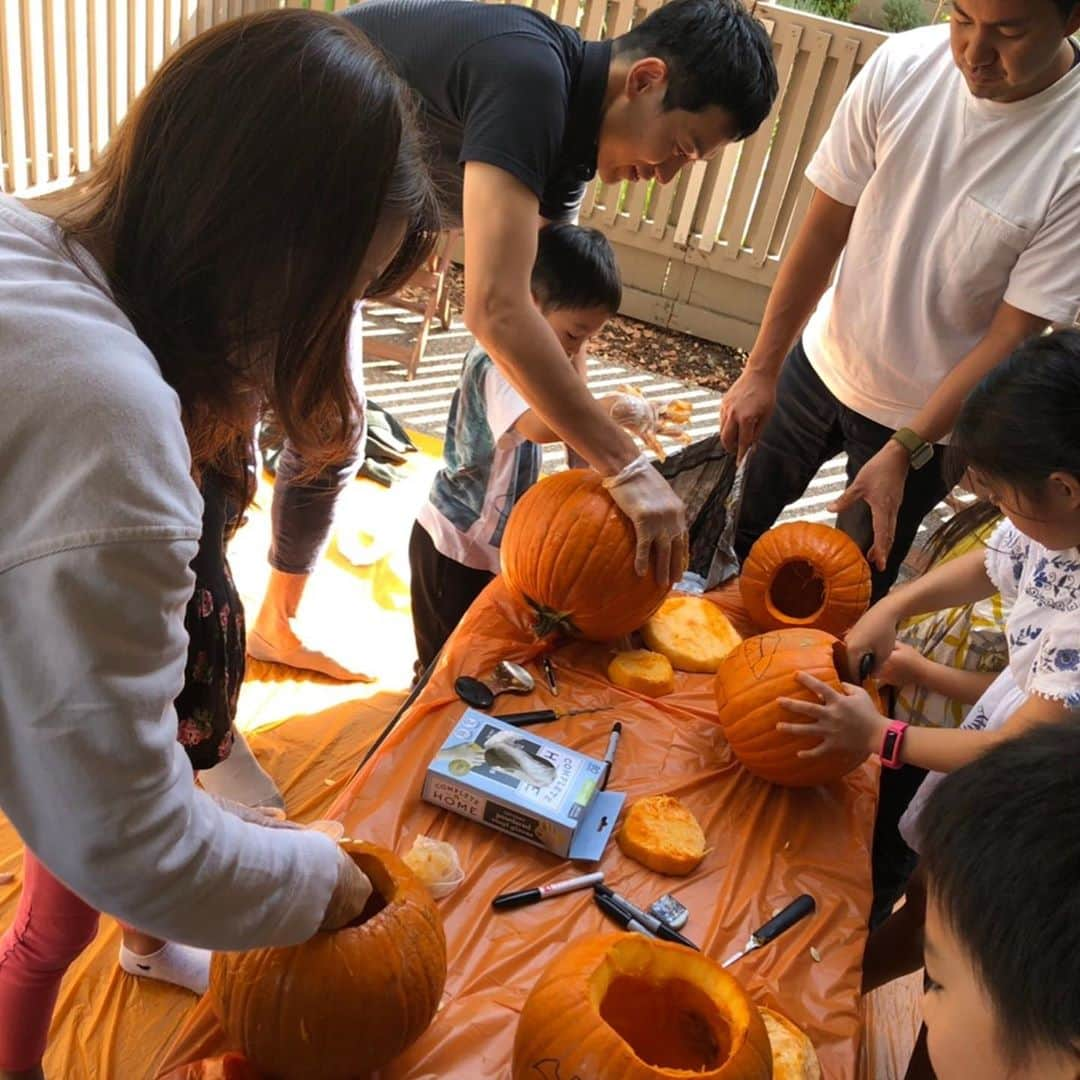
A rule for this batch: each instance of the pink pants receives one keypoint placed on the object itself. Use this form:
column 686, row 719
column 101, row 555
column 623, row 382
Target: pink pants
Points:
column 52, row 926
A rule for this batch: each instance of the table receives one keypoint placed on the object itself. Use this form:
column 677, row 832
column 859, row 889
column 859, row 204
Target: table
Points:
column 767, row 844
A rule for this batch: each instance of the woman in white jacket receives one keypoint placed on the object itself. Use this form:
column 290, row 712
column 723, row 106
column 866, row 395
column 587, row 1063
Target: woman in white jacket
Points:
column 265, row 180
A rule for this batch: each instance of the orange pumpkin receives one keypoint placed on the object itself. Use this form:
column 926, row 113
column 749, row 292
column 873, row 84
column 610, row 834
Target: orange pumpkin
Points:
column 228, row 1067
column 806, row 575
column 568, row 554
column 748, row 683
column 345, row 1003
column 627, row 1007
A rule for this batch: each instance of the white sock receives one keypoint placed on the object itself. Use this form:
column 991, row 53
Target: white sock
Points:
column 241, row 778
column 180, row 965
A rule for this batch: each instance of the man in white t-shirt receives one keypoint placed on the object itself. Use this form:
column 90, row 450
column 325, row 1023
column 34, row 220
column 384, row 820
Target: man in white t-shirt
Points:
column 950, row 181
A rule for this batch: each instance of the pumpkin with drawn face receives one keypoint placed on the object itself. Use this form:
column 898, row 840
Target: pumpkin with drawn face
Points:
column 749, row 683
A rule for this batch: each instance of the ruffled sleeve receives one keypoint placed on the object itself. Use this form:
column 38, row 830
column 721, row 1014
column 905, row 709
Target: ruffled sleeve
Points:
column 1056, row 673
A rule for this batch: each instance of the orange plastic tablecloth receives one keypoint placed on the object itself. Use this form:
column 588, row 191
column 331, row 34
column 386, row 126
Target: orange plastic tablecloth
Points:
column 767, row 844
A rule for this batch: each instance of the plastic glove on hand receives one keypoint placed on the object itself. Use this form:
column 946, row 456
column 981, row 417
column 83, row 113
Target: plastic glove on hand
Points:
column 634, row 412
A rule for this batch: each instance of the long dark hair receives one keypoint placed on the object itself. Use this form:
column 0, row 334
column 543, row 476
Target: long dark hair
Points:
column 963, row 523
column 231, row 214
column 1021, row 423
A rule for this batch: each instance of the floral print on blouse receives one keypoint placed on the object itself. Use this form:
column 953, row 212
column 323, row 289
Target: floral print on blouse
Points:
column 214, row 621
column 1043, row 626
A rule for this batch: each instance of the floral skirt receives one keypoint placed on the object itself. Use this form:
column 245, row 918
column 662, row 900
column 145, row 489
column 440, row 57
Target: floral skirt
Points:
column 206, row 707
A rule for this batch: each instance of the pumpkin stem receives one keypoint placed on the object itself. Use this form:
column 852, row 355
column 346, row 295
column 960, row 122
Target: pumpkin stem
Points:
column 548, row 621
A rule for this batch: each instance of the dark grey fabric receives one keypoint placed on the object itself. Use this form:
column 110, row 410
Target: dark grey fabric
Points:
column 807, row 428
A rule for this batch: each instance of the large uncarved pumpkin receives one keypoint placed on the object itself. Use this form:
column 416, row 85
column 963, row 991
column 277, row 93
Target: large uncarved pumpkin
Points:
column 345, row 1003
column 568, row 554
column 805, row 575
column 749, row 681
column 626, row 1007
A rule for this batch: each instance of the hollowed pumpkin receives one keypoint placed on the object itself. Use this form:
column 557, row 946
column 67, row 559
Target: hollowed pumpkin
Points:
column 568, row 554
column 345, row 1003
column 626, row 1007
column 805, row 575
column 748, row 683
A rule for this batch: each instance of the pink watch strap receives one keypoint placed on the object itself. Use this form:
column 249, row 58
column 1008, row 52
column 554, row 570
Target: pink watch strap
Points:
column 891, row 743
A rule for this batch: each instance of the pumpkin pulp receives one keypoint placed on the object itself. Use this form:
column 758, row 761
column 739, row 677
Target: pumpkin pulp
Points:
column 797, row 592
column 664, row 1018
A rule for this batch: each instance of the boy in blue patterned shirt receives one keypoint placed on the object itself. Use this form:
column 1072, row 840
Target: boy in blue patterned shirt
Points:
column 493, row 441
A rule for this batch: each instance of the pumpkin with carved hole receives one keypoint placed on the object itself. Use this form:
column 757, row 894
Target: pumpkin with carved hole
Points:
column 749, row 681
column 627, row 1007
column 568, row 555
column 346, row 1002
column 804, row 574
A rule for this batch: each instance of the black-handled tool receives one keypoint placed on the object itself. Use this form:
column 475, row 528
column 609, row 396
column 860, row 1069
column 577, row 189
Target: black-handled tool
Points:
column 797, row 910
column 866, row 666
column 545, row 716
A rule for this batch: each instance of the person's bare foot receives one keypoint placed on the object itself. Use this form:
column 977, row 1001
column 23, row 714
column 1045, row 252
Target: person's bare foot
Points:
column 284, row 647
column 274, row 639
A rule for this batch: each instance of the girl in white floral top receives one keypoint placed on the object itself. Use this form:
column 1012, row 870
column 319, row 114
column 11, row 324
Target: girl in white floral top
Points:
column 1019, row 435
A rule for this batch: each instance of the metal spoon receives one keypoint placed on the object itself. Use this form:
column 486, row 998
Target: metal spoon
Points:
column 507, row 678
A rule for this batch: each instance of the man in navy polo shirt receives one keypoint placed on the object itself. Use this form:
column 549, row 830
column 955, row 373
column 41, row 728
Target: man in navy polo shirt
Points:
column 521, row 114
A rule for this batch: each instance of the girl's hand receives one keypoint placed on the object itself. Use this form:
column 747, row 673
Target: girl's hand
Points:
column 905, row 667
column 874, row 633
column 846, row 723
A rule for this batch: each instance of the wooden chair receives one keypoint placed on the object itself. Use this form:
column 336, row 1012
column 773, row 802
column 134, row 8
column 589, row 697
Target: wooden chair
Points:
column 431, row 281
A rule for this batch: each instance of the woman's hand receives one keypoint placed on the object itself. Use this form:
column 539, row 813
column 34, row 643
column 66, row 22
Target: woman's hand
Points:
column 270, row 817
column 350, row 895
column 846, row 723
column 874, row 633
column 904, row 667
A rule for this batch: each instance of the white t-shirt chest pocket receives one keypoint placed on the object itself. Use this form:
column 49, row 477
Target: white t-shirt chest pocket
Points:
column 983, row 247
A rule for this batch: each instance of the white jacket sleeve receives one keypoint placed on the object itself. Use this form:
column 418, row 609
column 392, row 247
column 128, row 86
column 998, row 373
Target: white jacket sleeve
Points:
column 91, row 775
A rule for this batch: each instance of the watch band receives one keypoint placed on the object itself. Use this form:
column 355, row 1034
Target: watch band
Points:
column 891, row 743
column 919, row 450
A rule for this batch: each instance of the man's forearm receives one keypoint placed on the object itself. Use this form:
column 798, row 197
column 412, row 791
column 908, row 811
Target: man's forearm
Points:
column 803, row 278
column 529, row 355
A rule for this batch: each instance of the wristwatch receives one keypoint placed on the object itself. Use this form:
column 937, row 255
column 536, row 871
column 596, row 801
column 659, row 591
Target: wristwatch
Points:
column 891, row 743
column 919, row 450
